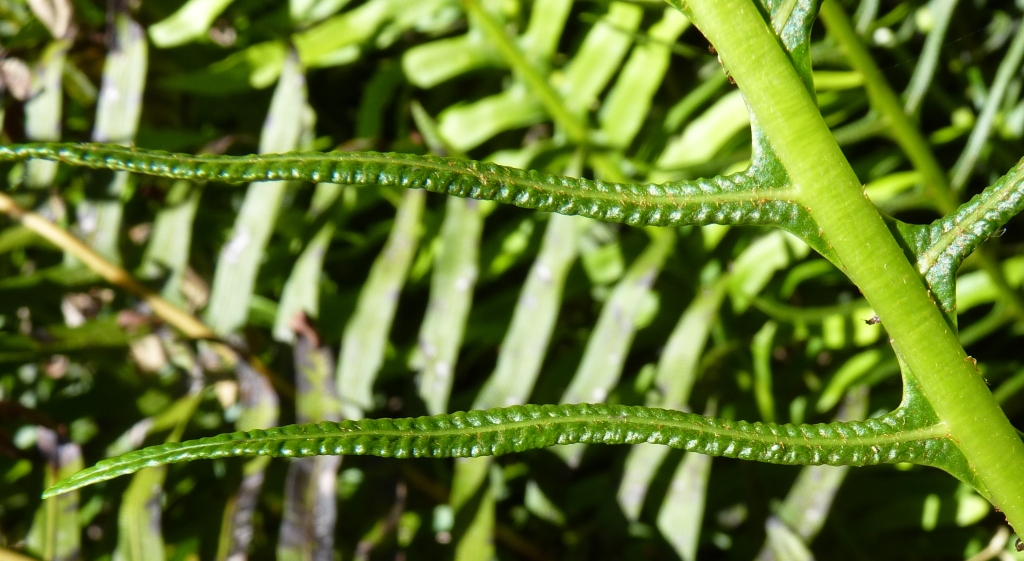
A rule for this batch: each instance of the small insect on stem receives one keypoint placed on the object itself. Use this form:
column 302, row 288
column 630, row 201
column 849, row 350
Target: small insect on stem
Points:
column 874, row 320
column 974, row 362
column 711, row 49
column 1019, row 546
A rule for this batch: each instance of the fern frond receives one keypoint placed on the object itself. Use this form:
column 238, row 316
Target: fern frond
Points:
column 737, row 199
column 900, row 436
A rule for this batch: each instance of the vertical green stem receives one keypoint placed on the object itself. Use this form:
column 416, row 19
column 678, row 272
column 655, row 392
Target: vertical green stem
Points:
column 826, row 184
column 909, row 137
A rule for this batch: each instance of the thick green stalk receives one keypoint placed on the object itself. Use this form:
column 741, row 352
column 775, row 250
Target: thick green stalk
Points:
column 909, row 137
column 867, row 252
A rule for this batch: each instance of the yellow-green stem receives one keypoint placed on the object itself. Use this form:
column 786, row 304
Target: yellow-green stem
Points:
column 909, row 138
column 867, row 252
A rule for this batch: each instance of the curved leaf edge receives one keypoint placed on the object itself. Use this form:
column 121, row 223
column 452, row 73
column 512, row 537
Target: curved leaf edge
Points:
column 897, row 437
column 938, row 249
column 759, row 195
column 737, row 199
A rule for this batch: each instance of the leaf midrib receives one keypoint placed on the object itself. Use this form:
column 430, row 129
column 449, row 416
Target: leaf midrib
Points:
column 159, row 163
column 935, row 431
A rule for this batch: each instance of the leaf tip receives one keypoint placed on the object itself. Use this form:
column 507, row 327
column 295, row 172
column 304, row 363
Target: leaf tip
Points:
column 54, row 490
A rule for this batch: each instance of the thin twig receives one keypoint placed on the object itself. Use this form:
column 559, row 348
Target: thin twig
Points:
column 183, row 321
column 189, row 325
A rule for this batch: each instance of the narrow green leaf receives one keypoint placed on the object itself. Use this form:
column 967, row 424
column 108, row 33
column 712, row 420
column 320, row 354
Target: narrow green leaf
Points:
column 752, row 270
column 629, row 100
column 190, row 22
column 761, row 348
column 310, row 499
column 139, row 535
column 940, row 247
column 784, row 544
column 854, row 310
column 677, row 372
column 681, row 112
column 56, row 533
column 260, row 409
column 170, row 240
column 541, row 506
column 1009, row 388
column 941, row 12
column 301, row 291
column 736, row 199
column 432, row 63
column 43, row 109
column 242, row 255
column 337, row 39
column 117, row 119
column 377, row 106
column 473, row 502
column 976, row 287
column 539, row 43
column 366, row 334
column 456, row 266
column 124, row 78
column 705, row 136
column 850, row 373
column 678, row 364
column 682, row 510
column 904, row 435
column 609, row 343
column 600, row 56
column 642, row 465
column 472, row 124
column 527, row 339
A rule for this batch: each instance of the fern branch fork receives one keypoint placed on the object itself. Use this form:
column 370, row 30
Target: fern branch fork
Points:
column 825, row 183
